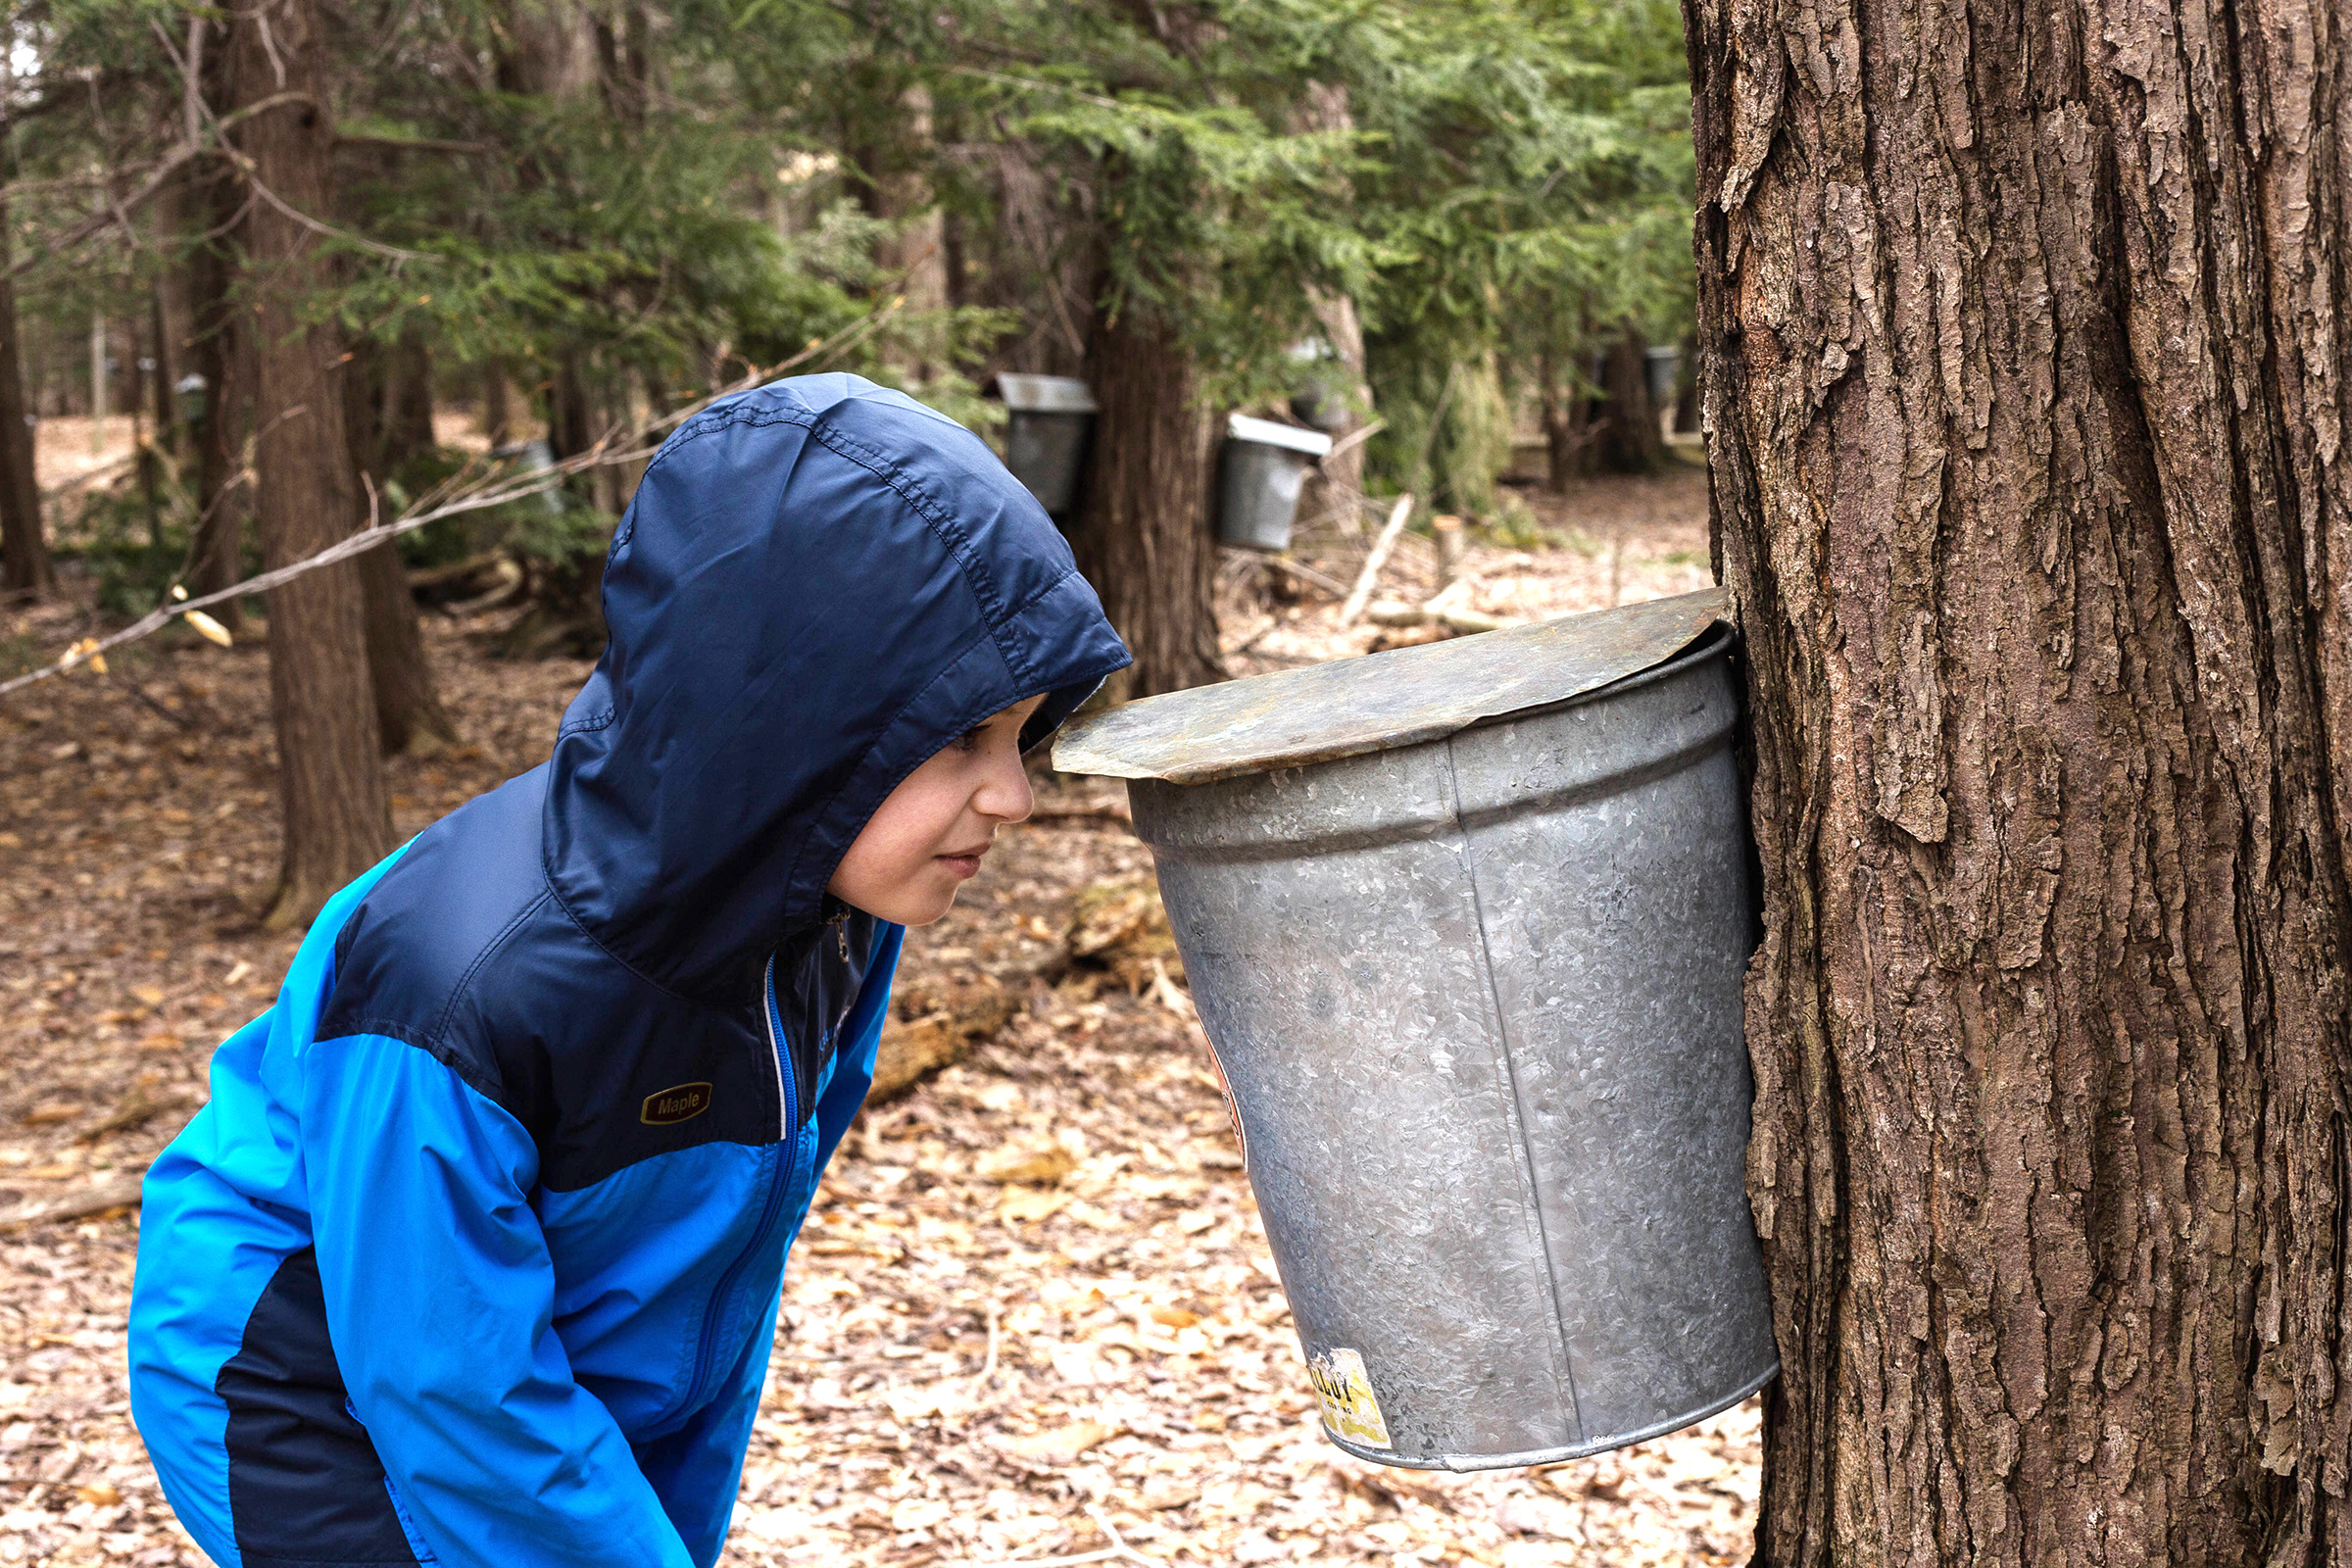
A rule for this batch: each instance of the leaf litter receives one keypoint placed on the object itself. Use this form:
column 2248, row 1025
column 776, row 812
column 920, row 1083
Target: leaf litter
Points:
column 1031, row 1319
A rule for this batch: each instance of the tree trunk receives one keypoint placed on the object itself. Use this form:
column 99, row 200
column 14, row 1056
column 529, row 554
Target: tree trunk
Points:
column 1142, row 540
column 1628, row 440
column 26, row 568
column 330, row 777
column 497, row 420
column 2022, row 338
column 380, row 423
column 1567, row 426
column 555, row 56
column 1333, row 485
column 216, row 350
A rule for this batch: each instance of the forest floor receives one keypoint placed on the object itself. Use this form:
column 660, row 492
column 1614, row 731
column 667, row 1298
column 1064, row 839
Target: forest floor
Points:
column 1034, row 1303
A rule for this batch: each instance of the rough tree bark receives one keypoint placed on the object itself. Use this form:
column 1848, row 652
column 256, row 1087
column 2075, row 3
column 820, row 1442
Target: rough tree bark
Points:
column 1143, row 539
column 1334, row 483
column 383, row 428
column 1626, row 439
column 330, row 777
column 218, row 350
column 25, row 567
column 893, row 188
column 1567, row 426
column 2024, row 335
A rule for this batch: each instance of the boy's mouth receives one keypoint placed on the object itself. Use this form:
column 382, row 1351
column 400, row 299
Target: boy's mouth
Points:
column 963, row 863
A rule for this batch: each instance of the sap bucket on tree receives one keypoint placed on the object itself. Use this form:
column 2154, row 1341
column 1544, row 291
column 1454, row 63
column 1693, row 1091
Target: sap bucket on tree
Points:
column 1466, row 924
column 1259, row 473
column 1047, row 420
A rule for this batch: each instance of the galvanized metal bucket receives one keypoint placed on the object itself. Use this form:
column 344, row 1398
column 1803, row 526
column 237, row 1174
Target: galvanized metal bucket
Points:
column 1048, row 418
column 1259, row 473
column 1465, row 925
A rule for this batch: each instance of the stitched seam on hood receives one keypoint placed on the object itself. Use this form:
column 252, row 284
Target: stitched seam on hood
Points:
column 708, row 422
column 1030, row 603
column 946, row 525
column 943, row 522
column 594, row 721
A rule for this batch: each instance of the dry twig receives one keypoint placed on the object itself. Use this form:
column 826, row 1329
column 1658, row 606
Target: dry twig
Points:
column 1365, row 578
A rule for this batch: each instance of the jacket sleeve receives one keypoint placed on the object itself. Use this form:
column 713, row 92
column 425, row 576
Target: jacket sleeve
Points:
column 699, row 1468
column 440, row 1305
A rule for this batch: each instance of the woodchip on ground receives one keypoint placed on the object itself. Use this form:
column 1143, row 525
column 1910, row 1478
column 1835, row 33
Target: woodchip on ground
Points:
column 1033, row 1305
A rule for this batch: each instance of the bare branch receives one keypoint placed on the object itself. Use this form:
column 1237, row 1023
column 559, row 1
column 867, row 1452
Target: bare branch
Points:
column 481, row 496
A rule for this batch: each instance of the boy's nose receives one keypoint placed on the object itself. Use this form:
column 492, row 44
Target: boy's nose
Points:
column 1007, row 795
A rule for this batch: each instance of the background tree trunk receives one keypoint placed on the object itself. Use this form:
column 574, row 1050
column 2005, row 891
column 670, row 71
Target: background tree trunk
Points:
column 1628, row 439
column 383, row 428
column 2022, row 333
column 1333, row 484
column 913, row 258
column 216, row 350
column 26, row 568
column 331, row 779
column 1143, row 539
column 1567, row 426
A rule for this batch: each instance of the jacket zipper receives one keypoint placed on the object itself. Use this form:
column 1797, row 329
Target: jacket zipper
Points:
column 788, row 1159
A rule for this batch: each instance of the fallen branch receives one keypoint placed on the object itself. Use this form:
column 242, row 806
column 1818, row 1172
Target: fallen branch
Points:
column 1306, row 574
column 1364, row 580
column 1353, row 439
column 1396, row 613
column 121, row 1193
column 1446, row 607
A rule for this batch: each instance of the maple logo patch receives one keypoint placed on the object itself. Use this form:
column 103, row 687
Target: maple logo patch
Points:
column 673, row 1105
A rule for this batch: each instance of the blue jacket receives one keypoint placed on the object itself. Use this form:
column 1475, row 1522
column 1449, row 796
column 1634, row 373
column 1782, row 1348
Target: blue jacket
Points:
column 474, row 1255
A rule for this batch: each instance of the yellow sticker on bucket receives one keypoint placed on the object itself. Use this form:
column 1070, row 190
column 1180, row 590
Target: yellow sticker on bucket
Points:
column 1349, row 1408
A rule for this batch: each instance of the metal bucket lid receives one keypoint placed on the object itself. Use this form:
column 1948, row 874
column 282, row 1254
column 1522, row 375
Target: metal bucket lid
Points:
column 1268, row 433
column 1044, row 394
column 1381, row 700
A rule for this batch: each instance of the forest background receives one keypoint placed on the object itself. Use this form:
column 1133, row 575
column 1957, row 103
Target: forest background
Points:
column 1417, row 224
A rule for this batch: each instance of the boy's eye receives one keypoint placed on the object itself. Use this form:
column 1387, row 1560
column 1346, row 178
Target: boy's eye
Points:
column 969, row 740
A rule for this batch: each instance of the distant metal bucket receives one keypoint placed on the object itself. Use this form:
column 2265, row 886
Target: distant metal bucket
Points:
column 1048, row 421
column 1259, row 473
column 1477, row 1004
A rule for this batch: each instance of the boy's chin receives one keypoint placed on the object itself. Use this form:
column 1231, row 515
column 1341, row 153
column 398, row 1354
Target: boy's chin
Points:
column 909, row 907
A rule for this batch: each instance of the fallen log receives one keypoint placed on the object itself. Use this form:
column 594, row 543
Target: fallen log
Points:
column 80, row 1204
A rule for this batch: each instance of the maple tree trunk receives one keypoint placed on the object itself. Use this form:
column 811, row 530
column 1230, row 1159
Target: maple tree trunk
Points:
column 25, row 567
column 217, row 351
column 380, row 423
column 331, row 778
column 1567, row 427
column 1333, row 484
column 1628, row 439
column 2022, row 334
column 1143, row 539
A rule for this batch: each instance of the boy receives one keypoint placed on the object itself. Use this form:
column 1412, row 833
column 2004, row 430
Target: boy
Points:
column 474, row 1255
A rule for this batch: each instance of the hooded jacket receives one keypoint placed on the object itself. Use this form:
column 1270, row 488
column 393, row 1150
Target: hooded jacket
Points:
column 475, row 1254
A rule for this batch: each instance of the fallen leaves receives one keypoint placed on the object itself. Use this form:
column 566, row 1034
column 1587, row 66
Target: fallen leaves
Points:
column 1024, row 1205
column 1037, row 1162
column 948, row 1335
column 1061, row 1445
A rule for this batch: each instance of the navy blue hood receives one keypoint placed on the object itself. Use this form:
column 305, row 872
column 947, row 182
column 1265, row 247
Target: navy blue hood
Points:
column 819, row 584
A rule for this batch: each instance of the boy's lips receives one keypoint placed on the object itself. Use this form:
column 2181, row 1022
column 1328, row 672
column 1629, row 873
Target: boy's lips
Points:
column 965, row 863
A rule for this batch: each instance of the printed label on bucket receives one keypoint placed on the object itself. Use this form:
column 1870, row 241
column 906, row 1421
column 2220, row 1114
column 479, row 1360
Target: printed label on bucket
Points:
column 1349, row 1407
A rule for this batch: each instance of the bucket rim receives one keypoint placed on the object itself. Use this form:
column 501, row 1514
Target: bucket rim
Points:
column 1461, row 1463
column 1384, row 701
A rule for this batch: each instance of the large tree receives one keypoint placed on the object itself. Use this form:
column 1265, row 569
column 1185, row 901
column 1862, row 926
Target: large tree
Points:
column 2023, row 336
column 331, row 778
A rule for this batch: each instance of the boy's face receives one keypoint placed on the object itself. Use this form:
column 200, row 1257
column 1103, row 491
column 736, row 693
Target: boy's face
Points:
column 928, row 837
